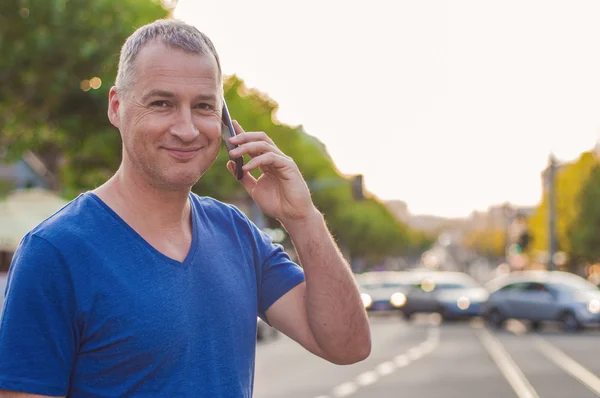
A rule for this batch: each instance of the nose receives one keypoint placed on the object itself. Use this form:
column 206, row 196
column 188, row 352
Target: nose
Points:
column 184, row 127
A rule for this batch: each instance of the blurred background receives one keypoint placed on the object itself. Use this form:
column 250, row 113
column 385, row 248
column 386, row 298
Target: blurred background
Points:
column 453, row 148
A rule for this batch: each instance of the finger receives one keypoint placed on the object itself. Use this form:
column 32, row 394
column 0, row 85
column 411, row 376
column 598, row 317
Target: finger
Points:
column 237, row 127
column 243, row 137
column 269, row 160
column 254, row 149
column 247, row 181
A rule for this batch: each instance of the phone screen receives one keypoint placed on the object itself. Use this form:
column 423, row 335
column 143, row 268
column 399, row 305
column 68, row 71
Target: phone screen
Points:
column 228, row 131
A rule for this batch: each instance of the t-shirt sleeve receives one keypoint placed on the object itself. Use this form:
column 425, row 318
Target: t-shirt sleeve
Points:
column 276, row 273
column 38, row 326
column 279, row 274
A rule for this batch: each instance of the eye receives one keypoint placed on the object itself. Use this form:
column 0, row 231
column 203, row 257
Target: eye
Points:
column 160, row 104
column 204, row 107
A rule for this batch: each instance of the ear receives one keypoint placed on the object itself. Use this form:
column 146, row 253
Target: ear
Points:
column 113, row 107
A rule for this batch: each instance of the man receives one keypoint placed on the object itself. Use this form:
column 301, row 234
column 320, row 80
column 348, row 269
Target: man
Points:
column 141, row 288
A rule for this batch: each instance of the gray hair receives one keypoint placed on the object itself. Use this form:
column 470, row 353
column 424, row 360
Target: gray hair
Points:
column 170, row 32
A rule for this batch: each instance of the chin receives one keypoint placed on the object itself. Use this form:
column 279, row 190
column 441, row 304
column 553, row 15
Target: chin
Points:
column 179, row 182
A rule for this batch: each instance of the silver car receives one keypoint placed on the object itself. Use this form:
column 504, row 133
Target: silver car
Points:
column 540, row 296
column 454, row 295
column 383, row 290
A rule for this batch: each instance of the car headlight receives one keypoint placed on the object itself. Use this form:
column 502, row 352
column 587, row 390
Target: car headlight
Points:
column 366, row 299
column 398, row 299
column 594, row 306
column 463, row 303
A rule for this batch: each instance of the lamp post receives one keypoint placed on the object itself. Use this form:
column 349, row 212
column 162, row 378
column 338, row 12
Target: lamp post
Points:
column 551, row 187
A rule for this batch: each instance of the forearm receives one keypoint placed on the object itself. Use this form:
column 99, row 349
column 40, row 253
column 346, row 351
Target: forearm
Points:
column 335, row 312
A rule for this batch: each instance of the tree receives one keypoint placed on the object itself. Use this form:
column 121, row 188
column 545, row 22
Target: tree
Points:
column 366, row 227
column 58, row 63
column 488, row 242
column 585, row 230
column 570, row 179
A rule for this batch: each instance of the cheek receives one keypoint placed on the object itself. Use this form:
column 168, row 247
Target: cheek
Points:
column 145, row 127
column 211, row 128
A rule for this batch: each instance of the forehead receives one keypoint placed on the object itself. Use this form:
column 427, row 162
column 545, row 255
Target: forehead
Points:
column 160, row 66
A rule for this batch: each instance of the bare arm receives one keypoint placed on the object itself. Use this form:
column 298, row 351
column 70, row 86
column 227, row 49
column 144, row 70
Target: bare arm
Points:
column 325, row 314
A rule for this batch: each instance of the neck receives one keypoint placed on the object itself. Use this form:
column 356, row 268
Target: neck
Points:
column 159, row 208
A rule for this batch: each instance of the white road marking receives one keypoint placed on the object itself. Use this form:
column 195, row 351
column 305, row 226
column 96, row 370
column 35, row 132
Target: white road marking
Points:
column 388, row 367
column 367, row 378
column 433, row 334
column 507, row 365
column 401, row 360
column 569, row 365
column 516, row 327
column 428, row 346
column 344, row 390
column 415, row 353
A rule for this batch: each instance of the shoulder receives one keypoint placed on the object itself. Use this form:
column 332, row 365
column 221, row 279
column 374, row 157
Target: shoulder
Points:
column 232, row 221
column 48, row 248
column 79, row 220
column 75, row 217
column 216, row 209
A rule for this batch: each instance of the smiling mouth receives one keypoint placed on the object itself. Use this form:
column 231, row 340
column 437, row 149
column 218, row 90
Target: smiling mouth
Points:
column 182, row 153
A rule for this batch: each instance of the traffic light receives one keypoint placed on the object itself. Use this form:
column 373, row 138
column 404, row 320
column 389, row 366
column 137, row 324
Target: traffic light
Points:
column 357, row 187
column 524, row 240
column 514, row 249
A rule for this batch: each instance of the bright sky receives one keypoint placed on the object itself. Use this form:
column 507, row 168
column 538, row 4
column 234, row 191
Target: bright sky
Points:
column 451, row 106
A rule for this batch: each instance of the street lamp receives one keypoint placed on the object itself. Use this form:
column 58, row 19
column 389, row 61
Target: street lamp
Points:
column 551, row 189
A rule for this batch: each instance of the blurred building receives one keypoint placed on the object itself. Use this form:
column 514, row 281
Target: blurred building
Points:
column 20, row 212
column 27, row 172
column 498, row 217
column 426, row 223
column 399, row 209
column 25, row 200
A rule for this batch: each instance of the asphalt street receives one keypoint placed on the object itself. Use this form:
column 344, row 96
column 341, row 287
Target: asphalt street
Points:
column 426, row 358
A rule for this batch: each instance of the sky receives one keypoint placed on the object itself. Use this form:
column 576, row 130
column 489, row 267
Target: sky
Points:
column 450, row 106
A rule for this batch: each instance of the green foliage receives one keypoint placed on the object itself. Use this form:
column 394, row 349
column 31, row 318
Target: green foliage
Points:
column 48, row 49
column 5, row 188
column 421, row 241
column 490, row 243
column 570, row 180
column 585, row 230
column 50, row 52
column 367, row 228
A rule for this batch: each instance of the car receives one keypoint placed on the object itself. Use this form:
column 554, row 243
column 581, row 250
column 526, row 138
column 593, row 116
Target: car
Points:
column 538, row 297
column 453, row 295
column 383, row 291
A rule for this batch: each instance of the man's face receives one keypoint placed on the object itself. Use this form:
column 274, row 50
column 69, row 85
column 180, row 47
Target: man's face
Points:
column 170, row 118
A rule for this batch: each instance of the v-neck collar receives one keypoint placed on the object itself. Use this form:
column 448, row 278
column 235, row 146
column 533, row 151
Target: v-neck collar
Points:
column 193, row 247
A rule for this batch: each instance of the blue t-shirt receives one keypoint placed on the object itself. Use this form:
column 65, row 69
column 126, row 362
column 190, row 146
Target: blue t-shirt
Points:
column 93, row 310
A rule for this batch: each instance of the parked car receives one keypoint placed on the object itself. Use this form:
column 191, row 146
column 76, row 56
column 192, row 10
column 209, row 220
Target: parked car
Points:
column 542, row 296
column 383, row 290
column 454, row 295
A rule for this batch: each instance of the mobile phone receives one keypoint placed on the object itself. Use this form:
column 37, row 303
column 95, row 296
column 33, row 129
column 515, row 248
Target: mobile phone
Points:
column 228, row 131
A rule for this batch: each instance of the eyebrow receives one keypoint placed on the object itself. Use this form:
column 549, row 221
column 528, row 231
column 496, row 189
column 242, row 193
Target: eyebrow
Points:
column 169, row 94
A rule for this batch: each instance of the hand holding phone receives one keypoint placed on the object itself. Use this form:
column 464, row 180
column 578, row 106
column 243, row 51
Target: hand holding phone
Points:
column 228, row 131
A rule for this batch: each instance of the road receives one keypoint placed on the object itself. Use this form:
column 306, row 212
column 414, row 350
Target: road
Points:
column 427, row 359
